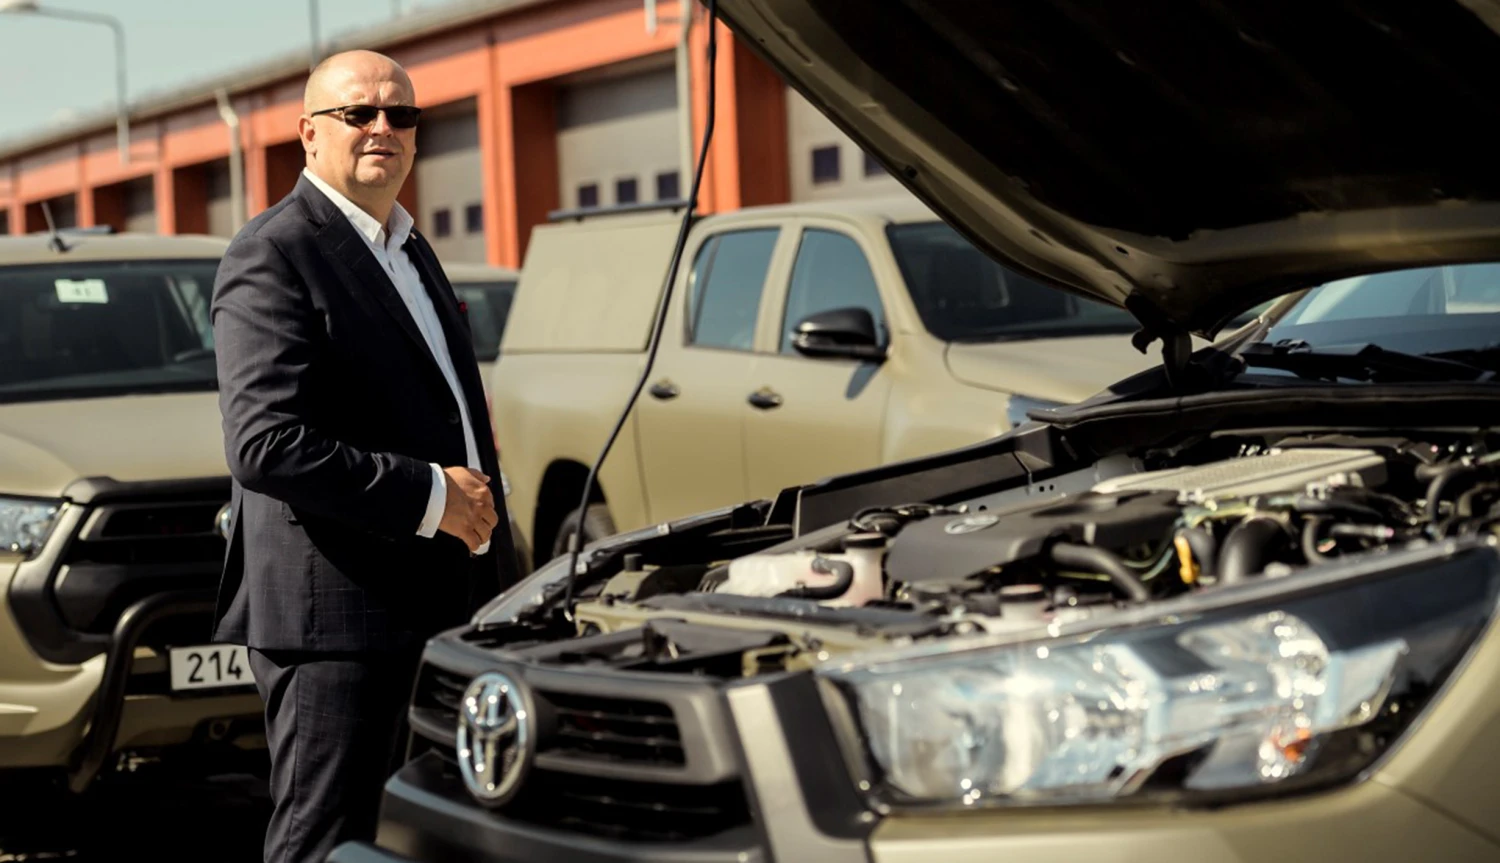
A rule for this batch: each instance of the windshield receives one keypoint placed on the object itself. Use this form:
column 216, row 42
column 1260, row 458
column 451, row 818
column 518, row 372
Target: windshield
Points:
column 489, row 307
column 963, row 295
column 1424, row 310
column 73, row 330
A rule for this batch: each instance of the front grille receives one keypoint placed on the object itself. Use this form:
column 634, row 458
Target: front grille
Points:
column 615, row 729
column 588, row 727
column 604, row 730
column 129, row 551
column 630, row 810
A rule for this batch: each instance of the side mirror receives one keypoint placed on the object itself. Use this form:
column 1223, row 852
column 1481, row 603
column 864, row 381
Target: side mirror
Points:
column 840, row 333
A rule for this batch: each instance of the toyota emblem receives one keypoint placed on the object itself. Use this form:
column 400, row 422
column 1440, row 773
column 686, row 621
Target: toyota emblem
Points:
column 495, row 740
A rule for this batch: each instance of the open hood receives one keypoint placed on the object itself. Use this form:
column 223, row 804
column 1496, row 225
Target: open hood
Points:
column 1185, row 160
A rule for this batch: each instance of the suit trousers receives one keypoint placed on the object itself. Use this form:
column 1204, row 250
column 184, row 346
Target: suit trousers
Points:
column 336, row 728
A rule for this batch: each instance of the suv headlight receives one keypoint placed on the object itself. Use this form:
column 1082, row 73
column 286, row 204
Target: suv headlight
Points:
column 26, row 524
column 1209, row 704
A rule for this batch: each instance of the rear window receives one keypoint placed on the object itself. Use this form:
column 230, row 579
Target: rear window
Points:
column 963, row 295
column 73, row 330
column 489, row 309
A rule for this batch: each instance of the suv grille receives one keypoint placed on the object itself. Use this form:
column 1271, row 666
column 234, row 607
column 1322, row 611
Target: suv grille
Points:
column 636, row 811
column 589, row 727
column 615, row 729
column 603, row 730
column 129, row 551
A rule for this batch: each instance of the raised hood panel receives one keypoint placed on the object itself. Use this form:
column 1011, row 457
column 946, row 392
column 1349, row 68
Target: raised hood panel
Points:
column 44, row 446
column 1186, row 159
column 1061, row 370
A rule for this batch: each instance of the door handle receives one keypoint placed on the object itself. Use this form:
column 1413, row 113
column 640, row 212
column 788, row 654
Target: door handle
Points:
column 665, row 390
column 764, row 398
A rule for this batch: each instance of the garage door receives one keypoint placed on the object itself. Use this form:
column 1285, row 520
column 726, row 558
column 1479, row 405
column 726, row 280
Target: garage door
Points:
column 824, row 162
column 617, row 137
column 450, row 182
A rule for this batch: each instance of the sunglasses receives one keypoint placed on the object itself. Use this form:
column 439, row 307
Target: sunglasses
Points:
column 362, row 116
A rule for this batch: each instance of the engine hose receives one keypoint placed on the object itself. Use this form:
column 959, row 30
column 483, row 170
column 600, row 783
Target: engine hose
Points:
column 1103, row 562
column 1310, row 540
column 1205, row 550
column 843, row 579
column 1245, row 549
column 1440, row 484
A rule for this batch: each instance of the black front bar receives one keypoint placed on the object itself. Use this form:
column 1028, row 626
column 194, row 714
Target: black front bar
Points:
column 109, row 706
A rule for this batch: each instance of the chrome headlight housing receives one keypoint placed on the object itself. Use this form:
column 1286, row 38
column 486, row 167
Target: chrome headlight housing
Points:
column 25, row 523
column 1290, row 684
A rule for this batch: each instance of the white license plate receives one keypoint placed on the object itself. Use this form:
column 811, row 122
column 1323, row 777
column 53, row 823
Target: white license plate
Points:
column 209, row 666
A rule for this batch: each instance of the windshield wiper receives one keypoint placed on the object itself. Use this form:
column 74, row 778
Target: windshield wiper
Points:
column 1358, row 362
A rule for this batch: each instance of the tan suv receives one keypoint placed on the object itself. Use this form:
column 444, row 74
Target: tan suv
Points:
column 485, row 293
column 112, row 484
column 803, row 341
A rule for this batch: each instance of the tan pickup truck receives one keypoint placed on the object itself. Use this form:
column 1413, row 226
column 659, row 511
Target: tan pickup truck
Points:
column 802, row 341
column 112, row 490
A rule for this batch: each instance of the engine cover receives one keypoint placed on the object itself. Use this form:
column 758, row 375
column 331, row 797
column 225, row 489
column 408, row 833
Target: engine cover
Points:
column 953, row 548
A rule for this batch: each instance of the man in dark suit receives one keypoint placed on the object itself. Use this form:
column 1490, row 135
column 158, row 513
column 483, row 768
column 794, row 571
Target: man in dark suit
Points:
column 356, row 430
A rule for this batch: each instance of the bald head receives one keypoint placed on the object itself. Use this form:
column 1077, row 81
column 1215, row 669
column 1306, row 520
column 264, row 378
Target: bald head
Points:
column 365, row 163
column 336, row 73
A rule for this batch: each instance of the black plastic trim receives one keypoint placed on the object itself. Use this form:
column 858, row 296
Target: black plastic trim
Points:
column 834, row 805
column 423, row 818
column 32, row 596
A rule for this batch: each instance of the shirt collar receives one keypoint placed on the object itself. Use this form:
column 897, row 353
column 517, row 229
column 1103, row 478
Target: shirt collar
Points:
column 364, row 223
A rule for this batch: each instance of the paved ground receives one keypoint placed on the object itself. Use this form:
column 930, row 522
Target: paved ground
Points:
column 145, row 817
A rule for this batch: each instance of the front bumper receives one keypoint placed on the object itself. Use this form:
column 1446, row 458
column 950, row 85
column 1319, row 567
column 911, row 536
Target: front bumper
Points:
column 1432, row 798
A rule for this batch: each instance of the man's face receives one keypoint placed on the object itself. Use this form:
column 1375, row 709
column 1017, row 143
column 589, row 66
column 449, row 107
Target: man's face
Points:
column 376, row 156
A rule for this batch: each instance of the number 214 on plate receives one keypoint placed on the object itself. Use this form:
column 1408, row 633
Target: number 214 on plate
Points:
column 209, row 666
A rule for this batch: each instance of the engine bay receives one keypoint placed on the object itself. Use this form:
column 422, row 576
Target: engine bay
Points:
column 1220, row 513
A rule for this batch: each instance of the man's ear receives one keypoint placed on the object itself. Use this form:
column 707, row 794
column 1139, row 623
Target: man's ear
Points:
column 308, row 133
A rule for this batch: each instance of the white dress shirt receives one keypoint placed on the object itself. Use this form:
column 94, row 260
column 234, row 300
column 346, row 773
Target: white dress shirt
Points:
column 386, row 247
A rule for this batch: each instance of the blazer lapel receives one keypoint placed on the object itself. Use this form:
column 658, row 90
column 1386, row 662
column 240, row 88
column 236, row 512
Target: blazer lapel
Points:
column 455, row 332
column 369, row 283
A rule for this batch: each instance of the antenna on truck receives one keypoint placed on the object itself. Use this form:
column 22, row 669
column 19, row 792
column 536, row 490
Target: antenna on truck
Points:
column 575, row 540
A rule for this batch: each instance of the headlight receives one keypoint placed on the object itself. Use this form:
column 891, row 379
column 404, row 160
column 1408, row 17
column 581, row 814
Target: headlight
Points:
column 26, row 524
column 1017, row 406
column 1210, row 705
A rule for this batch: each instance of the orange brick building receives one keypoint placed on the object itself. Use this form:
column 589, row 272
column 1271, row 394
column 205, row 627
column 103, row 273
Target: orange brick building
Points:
column 534, row 106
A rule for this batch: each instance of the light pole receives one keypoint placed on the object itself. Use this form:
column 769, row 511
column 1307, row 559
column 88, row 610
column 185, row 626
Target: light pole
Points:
column 122, row 119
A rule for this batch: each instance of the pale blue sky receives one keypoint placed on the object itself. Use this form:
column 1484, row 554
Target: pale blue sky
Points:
column 52, row 69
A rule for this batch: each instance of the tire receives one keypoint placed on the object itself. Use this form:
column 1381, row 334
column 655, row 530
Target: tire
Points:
column 596, row 525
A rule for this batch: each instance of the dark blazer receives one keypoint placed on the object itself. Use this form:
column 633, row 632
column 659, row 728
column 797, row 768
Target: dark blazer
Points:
column 333, row 407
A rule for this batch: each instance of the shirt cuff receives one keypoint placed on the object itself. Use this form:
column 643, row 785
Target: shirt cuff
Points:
column 437, row 501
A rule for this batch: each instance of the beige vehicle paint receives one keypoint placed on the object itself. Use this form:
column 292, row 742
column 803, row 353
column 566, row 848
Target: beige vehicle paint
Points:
column 580, row 325
column 48, row 708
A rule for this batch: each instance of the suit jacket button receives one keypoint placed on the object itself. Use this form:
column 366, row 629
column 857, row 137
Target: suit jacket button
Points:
column 453, row 418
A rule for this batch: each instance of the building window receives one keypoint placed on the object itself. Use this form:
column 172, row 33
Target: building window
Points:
column 825, row 164
column 474, row 218
column 625, row 191
column 442, row 222
column 588, row 195
column 668, row 187
column 873, row 168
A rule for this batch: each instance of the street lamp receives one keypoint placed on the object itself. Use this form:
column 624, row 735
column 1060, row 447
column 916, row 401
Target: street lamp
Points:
column 122, row 120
